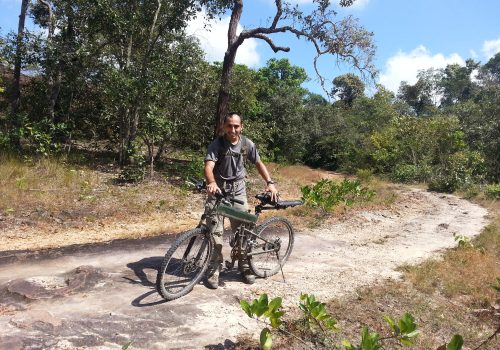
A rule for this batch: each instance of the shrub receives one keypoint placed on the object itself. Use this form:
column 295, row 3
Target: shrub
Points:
column 135, row 171
column 326, row 194
column 460, row 170
column 408, row 173
column 492, row 191
column 364, row 175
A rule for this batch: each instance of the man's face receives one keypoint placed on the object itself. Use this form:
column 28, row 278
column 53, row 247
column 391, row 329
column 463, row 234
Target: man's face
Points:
column 232, row 128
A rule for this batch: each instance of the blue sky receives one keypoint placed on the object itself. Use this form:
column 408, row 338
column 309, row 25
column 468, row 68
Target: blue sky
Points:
column 410, row 35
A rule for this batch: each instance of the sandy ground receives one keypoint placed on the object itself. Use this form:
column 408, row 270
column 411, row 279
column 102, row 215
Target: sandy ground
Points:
column 47, row 302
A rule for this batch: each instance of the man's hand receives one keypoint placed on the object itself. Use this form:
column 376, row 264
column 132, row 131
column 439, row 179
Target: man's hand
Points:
column 212, row 188
column 274, row 192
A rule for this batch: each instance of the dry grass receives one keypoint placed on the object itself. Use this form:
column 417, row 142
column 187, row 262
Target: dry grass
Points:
column 49, row 191
column 449, row 296
column 466, row 271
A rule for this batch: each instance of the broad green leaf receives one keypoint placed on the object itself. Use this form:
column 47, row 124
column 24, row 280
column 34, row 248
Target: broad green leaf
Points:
column 266, row 340
column 331, row 324
column 275, row 304
column 246, row 307
column 456, row 343
column 407, row 323
column 392, row 324
column 275, row 322
column 369, row 341
column 347, row 344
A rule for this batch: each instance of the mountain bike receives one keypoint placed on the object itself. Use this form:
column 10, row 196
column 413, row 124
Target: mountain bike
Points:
column 266, row 247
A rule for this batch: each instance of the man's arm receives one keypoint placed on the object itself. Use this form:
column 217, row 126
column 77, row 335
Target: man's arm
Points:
column 212, row 187
column 261, row 167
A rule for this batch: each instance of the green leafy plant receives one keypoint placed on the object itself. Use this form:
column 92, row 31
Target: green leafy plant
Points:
column 365, row 175
column 270, row 310
column 405, row 330
column 409, row 173
column 455, row 343
column 492, row 191
column 369, row 341
column 496, row 286
column 316, row 314
column 326, row 193
column 135, row 171
column 463, row 241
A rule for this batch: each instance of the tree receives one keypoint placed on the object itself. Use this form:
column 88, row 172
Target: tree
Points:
column 348, row 87
column 490, row 72
column 16, row 93
column 135, row 39
column 344, row 39
column 416, row 96
column 456, row 82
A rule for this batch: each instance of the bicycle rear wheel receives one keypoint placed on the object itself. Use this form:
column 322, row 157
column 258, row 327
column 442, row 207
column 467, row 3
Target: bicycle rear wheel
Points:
column 270, row 250
column 184, row 264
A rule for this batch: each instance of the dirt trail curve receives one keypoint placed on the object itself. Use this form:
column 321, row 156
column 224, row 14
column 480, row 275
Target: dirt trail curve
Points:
column 103, row 297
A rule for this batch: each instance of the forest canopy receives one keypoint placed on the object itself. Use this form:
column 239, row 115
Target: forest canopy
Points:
column 135, row 83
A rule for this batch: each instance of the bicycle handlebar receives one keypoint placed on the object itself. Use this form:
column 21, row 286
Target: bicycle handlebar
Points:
column 202, row 185
column 265, row 199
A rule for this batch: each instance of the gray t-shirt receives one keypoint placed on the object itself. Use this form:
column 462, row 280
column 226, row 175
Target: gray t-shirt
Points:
column 230, row 167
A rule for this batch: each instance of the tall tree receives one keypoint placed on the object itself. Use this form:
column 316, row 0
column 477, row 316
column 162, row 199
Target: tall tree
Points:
column 344, row 39
column 16, row 92
column 348, row 87
column 457, row 84
column 417, row 96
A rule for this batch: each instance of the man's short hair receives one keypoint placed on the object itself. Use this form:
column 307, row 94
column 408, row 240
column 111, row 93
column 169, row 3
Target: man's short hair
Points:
column 232, row 114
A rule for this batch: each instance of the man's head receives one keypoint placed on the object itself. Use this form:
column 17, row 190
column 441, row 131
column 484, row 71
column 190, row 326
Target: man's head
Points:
column 233, row 125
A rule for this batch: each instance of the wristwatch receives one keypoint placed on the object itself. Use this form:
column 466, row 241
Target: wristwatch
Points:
column 270, row 182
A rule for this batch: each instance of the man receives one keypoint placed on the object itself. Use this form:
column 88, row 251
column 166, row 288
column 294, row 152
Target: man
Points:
column 225, row 169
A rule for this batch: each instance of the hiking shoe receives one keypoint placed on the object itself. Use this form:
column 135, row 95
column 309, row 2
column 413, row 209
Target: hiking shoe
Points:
column 246, row 273
column 248, row 277
column 212, row 280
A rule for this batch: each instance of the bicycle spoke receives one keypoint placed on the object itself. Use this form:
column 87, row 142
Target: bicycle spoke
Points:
column 184, row 264
column 271, row 247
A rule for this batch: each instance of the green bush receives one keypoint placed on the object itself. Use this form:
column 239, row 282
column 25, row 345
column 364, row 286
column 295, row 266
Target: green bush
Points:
column 135, row 171
column 364, row 175
column 409, row 173
column 492, row 191
column 460, row 170
column 326, row 194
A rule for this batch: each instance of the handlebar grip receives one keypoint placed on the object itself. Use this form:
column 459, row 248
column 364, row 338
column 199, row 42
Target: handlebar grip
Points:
column 287, row 204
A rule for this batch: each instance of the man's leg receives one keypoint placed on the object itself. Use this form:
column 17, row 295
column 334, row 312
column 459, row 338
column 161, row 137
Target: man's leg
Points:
column 215, row 225
column 243, row 266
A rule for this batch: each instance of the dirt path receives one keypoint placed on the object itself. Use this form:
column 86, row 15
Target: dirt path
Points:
column 50, row 301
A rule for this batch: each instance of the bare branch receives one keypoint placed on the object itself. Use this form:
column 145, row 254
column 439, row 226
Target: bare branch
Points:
column 279, row 12
column 271, row 43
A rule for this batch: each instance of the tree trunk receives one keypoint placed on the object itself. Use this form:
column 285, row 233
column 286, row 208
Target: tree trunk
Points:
column 124, row 113
column 233, row 42
column 16, row 89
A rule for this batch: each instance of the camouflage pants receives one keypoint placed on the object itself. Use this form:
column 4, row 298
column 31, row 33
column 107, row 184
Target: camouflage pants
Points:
column 215, row 224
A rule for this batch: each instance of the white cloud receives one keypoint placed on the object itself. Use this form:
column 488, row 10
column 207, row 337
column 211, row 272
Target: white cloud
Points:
column 491, row 47
column 213, row 40
column 359, row 4
column 405, row 66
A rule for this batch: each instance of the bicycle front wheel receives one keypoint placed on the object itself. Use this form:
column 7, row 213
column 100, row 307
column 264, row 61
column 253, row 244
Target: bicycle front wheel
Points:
column 184, row 264
column 272, row 246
